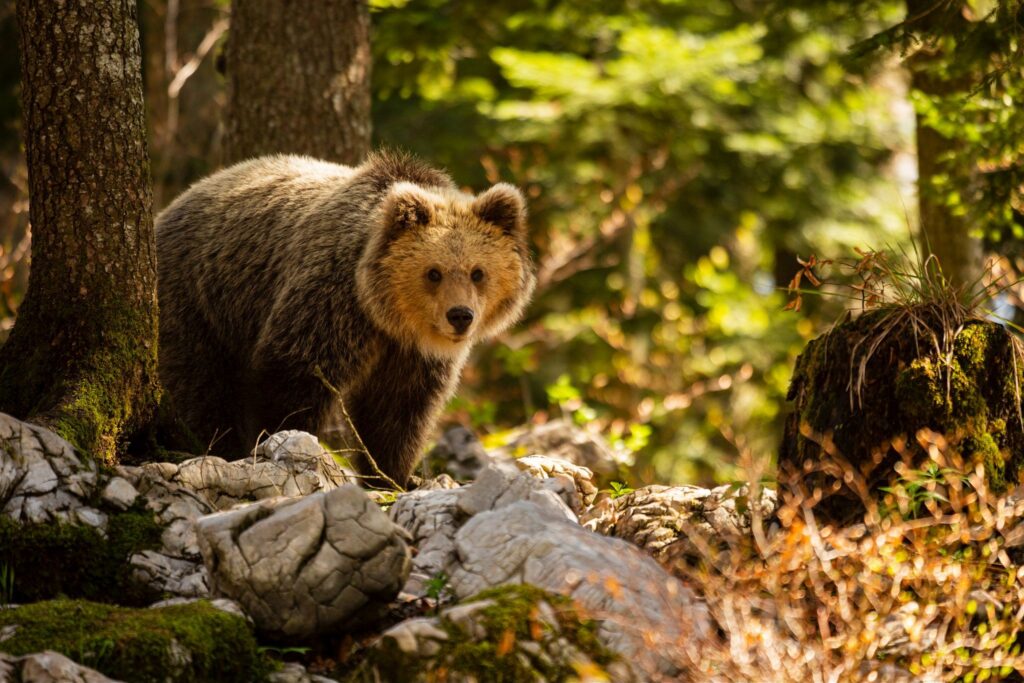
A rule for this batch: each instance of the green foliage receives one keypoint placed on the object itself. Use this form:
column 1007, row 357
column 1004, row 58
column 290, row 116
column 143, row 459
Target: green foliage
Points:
column 617, row 489
column 140, row 645
column 437, row 589
column 675, row 155
column 76, row 560
column 282, row 651
column 973, row 47
column 911, row 493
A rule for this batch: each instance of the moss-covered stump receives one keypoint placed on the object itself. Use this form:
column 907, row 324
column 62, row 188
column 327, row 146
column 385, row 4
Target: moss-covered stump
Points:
column 871, row 384
column 75, row 560
column 192, row 643
column 509, row 634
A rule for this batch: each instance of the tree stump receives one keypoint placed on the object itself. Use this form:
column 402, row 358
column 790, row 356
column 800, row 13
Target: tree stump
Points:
column 863, row 392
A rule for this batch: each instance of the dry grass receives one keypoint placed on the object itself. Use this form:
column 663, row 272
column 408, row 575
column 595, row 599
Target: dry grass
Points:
column 913, row 297
column 926, row 588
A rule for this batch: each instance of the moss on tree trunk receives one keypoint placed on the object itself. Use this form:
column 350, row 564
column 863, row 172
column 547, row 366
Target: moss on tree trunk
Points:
column 82, row 356
column 866, row 402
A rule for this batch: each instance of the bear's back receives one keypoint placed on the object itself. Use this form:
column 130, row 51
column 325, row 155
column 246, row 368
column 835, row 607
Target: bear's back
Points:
column 229, row 243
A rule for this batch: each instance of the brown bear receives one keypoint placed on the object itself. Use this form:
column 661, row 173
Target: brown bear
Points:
column 282, row 272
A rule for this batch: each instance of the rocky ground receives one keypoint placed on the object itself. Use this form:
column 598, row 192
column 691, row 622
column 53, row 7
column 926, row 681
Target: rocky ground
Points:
column 511, row 565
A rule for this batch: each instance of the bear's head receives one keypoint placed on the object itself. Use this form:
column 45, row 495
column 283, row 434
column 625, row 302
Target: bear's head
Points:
column 443, row 269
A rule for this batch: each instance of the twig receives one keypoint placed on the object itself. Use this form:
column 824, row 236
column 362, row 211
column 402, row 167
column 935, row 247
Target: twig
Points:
column 319, row 374
column 182, row 74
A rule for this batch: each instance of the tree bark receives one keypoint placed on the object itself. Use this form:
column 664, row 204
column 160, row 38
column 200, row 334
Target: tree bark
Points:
column 945, row 234
column 299, row 79
column 82, row 356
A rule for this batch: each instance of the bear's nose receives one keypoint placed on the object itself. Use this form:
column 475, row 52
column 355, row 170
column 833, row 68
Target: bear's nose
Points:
column 460, row 317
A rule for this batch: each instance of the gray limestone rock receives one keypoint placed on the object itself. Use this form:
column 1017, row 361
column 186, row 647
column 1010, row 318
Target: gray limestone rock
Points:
column 176, row 568
column 120, row 493
column 290, row 463
column 47, row 667
column 562, row 439
column 286, row 464
column 675, row 522
column 296, row 673
column 423, row 649
column 42, row 479
column 581, row 478
column 433, row 516
column 302, row 567
column 459, row 454
column 646, row 615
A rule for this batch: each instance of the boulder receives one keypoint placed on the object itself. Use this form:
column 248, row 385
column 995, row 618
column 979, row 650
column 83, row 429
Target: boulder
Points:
column 292, row 672
column 645, row 615
column 514, row 633
column 43, row 480
column 511, row 528
column 47, row 667
column 458, row 454
column 863, row 392
column 290, row 463
column 430, row 517
column 306, row 566
column 563, row 439
column 682, row 522
column 547, row 467
column 175, row 566
column 66, row 526
column 433, row 516
column 79, row 559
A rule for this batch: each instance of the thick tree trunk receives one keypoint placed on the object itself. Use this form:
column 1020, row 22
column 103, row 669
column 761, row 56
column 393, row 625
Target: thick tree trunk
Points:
column 945, row 234
column 299, row 79
column 82, row 356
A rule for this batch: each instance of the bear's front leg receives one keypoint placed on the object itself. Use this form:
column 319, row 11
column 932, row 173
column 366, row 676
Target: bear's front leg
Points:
column 395, row 407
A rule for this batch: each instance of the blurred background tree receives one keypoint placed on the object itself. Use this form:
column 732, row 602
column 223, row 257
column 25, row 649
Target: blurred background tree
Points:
column 678, row 156
column 298, row 80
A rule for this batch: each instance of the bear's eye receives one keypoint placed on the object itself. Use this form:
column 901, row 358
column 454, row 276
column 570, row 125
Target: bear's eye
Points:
column 434, row 275
column 477, row 275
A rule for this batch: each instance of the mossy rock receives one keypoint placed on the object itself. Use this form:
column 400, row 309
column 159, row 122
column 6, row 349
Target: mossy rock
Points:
column 194, row 643
column 875, row 381
column 510, row 641
column 74, row 560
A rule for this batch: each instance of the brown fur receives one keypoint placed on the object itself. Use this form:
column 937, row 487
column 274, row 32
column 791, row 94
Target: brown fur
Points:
column 278, row 266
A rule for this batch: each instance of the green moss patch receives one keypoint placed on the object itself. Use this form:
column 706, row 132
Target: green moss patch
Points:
column 189, row 643
column 873, row 381
column 511, row 643
column 50, row 560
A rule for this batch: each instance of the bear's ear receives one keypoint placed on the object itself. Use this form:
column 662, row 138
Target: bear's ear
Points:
column 502, row 205
column 407, row 206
